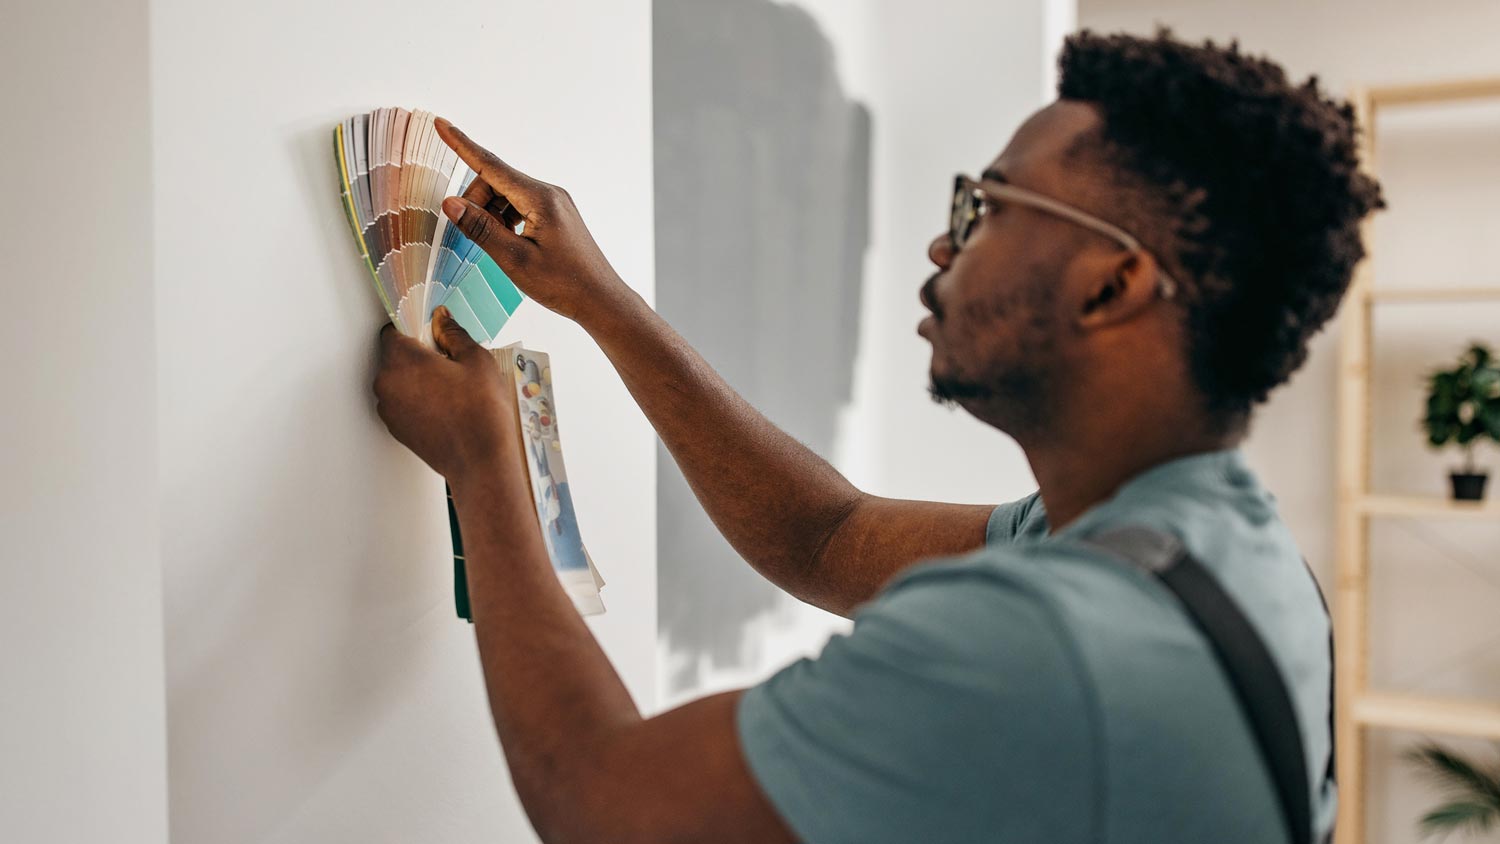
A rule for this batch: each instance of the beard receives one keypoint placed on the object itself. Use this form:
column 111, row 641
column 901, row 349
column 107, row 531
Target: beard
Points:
column 1014, row 395
column 1012, row 386
column 1016, row 400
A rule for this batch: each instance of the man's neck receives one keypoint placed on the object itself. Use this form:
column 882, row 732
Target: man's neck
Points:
column 1074, row 476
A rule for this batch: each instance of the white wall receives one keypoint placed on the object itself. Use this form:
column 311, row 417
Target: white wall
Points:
column 1435, row 582
column 82, row 726
column 946, row 85
column 319, row 686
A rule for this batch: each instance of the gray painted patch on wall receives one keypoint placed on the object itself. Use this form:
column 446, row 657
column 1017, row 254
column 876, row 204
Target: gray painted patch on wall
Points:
column 762, row 219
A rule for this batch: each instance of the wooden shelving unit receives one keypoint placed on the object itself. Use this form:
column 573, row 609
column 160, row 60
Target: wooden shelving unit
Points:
column 1436, row 296
column 1419, row 506
column 1361, row 708
column 1427, row 714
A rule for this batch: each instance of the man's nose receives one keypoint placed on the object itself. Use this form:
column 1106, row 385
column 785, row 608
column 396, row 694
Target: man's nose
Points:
column 940, row 251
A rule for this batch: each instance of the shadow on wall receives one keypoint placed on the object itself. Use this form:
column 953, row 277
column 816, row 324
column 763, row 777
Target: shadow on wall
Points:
column 762, row 220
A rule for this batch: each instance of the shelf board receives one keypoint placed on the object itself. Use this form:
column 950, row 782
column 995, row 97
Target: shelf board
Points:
column 1445, row 716
column 1415, row 506
column 1434, row 295
column 1435, row 92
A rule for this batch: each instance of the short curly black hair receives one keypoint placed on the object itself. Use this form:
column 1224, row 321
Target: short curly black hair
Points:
column 1246, row 186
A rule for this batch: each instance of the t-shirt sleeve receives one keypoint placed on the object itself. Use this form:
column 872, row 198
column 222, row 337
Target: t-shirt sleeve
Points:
column 953, row 711
column 1006, row 520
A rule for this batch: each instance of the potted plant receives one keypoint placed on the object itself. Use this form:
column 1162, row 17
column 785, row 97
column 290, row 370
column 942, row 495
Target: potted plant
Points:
column 1463, row 407
column 1472, row 791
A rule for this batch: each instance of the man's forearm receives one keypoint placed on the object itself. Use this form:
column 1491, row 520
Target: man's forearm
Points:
column 552, row 690
column 774, row 499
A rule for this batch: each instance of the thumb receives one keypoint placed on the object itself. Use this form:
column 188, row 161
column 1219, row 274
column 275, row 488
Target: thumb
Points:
column 498, row 240
column 451, row 338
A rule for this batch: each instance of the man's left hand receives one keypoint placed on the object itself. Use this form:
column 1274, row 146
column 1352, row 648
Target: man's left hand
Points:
column 454, row 409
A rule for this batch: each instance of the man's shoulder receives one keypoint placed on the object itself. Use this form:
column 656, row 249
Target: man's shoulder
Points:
column 985, row 604
column 1055, row 574
column 1122, row 630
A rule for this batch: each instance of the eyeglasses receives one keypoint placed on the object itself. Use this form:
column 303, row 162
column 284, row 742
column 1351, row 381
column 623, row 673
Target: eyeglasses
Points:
column 969, row 205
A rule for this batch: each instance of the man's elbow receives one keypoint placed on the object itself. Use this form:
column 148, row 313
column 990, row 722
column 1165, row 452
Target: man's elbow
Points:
column 588, row 801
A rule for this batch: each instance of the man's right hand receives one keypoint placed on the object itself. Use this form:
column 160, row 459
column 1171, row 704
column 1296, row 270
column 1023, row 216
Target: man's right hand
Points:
column 553, row 259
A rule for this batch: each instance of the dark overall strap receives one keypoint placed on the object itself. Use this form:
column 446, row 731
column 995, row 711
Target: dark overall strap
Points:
column 1257, row 682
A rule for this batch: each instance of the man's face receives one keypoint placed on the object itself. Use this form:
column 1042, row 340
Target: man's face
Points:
column 1000, row 331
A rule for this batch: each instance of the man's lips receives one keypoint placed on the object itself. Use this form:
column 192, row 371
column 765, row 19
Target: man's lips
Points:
column 925, row 326
column 928, row 296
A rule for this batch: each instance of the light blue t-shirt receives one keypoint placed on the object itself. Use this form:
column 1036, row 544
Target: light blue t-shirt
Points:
column 1040, row 690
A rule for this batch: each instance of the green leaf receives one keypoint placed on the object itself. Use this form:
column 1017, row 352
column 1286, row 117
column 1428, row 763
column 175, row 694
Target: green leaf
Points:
column 1459, row 816
column 1440, row 429
column 1491, row 417
column 1485, row 381
column 1443, row 397
column 1457, row 775
column 1480, row 353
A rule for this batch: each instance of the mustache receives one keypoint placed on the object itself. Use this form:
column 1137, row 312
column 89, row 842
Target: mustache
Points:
column 930, row 299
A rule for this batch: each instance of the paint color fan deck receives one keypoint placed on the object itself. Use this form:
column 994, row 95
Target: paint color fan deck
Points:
column 394, row 173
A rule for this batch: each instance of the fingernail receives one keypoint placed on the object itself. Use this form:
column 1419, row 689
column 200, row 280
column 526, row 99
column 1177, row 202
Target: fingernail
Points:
column 454, row 208
column 442, row 312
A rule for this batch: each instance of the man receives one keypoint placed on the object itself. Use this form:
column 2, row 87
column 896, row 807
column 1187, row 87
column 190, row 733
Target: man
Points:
column 1140, row 266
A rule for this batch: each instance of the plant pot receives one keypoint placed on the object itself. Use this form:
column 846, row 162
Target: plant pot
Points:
column 1468, row 486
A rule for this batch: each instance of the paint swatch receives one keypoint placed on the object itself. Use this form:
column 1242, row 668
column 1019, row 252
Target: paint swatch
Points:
column 551, row 493
column 394, row 172
column 547, row 478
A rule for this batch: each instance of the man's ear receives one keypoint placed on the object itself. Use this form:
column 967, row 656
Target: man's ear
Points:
column 1118, row 289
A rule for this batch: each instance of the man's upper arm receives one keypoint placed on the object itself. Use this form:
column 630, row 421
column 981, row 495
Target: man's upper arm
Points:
column 881, row 537
column 677, row 777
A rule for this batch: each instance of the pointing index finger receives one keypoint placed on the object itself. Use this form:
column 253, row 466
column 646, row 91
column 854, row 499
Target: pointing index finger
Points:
column 504, row 179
